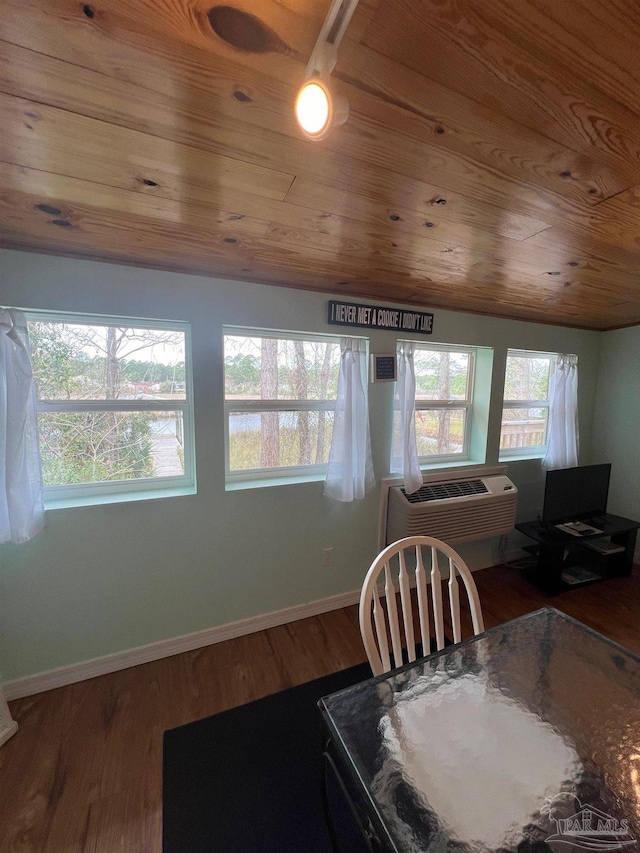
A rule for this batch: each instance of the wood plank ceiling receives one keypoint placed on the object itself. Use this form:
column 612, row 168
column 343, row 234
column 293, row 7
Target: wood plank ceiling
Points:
column 490, row 163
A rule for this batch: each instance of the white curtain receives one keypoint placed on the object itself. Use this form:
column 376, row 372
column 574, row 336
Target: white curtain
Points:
column 21, row 501
column 404, row 448
column 350, row 470
column 562, row 448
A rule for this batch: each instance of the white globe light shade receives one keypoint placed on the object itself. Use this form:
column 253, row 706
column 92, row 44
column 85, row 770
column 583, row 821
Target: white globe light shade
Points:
column 314, row 109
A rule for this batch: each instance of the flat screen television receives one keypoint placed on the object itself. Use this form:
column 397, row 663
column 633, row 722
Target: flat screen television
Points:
column 572, row 494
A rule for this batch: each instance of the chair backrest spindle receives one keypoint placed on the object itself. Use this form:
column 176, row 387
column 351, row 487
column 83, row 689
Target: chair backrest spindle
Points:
column 407, row 609
column 381, row 629
column 454, row 601
column 376, row 629
column 392, row 611
column 423, row 601
column 436, row 595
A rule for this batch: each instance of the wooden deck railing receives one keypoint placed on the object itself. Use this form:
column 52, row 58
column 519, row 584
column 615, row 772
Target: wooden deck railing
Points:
column 522, row 434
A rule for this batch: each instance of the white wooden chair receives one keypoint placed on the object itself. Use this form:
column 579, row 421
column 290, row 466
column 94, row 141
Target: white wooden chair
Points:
column 378, row 621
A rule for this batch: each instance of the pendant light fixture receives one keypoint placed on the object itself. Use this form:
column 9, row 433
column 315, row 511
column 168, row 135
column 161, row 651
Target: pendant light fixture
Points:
column 317, row 109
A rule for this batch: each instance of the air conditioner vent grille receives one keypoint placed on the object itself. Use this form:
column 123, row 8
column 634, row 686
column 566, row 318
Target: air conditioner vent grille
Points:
column 440, row 491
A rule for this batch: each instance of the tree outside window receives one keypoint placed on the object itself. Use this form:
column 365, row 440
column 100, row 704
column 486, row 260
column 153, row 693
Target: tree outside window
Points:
column 280, row 395
column 525, row 412
column 112, row 402
column 444, row 392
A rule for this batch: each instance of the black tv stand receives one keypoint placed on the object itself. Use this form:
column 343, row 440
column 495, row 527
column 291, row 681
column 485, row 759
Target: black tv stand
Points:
column 582, row 559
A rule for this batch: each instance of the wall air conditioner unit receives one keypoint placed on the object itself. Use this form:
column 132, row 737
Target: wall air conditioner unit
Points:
column 460, row 509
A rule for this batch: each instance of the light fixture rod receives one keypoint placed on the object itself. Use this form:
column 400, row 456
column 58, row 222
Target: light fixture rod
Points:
column 323, row 56
column 340, row 21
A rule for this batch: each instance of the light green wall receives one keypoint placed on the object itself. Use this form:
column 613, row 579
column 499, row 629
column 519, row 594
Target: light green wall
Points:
column 106, row 578
column 617, row 420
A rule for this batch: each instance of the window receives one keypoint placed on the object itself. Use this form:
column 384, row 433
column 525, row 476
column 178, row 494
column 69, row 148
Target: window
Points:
column 114, row 407
column 525, row 411
column 444, row 395
column 280, row 397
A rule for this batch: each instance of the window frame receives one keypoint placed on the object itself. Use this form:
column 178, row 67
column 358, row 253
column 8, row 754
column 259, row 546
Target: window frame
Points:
column 539, row 450
column 437, row 405
column 297, row 473
column 114, row 491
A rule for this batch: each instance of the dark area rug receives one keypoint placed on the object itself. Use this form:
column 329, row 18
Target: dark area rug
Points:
column 248, row 780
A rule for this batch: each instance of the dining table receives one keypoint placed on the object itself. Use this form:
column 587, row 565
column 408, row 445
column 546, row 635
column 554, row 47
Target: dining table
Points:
column 523, row 738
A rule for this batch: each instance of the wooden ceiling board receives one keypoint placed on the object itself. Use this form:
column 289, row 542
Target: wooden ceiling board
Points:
column 39, row 77
column 457, row 41
column 62, row 192
column 257, row 258
column 454, row 122
column 562, row 242
column 250, row 106
column 489, row 163
column 424, row 109
column 420, row 208
column 597, row 41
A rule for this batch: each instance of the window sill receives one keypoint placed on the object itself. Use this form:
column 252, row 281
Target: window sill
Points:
column 444, row 466
column 521, row 457
column 269, row 482
column 127, row 497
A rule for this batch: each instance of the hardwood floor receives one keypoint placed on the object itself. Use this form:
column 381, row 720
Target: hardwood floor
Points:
column 84, row 772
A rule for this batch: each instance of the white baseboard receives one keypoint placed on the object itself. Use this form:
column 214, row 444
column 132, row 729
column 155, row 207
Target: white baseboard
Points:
column 7, row 730
column 74, row 672
column 83, row 670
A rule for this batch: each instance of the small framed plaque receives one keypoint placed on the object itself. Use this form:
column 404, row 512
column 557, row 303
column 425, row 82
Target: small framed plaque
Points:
column 383, row 367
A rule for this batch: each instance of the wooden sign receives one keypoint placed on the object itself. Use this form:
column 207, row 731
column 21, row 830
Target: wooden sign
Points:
column 379, row 317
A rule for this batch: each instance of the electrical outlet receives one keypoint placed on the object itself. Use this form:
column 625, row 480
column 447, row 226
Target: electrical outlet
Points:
column 327, row 556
